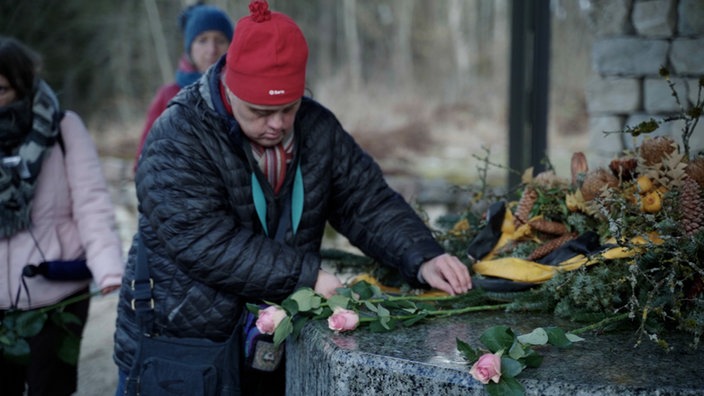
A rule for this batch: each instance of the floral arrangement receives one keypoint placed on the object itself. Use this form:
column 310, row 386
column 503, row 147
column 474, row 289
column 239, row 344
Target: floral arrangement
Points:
column 644, row 212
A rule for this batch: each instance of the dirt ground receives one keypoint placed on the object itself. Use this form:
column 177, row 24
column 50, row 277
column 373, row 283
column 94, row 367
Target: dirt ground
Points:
column 97, row 373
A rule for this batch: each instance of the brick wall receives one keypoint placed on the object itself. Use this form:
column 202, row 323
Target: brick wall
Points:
column 633, row 39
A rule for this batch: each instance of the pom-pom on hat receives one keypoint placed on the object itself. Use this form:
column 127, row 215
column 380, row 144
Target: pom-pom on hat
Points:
column 266, row 61
column 201, row 18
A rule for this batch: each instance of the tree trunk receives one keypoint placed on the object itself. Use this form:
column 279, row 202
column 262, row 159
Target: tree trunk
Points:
column 402, row 55
column 354, row 51
column 162, row 52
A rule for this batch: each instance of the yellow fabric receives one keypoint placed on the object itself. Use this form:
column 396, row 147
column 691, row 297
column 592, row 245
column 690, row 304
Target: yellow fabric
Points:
column 522, row 270
column 393, row 290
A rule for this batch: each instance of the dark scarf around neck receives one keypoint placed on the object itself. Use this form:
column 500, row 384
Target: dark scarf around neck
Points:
column 20, row 165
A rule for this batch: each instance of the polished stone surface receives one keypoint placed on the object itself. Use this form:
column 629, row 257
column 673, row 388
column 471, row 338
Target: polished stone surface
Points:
column 423, row 360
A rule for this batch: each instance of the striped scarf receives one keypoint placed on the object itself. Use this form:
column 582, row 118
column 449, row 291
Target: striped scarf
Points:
column 273, row 160
column 18, row 175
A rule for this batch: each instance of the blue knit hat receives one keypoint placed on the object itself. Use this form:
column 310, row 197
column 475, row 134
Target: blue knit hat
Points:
column 202, row 18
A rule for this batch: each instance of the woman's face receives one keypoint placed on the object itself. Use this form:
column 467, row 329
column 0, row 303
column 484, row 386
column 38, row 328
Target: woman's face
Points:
column 264, row 125
column 207, row 48
column 7, row 93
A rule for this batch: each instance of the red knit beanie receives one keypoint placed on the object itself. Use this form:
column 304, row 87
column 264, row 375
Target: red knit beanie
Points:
column 266, row 61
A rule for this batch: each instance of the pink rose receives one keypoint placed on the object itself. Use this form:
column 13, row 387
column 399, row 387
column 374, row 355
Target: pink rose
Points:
column 487, row 367
column 269, row 319
column 343, row 320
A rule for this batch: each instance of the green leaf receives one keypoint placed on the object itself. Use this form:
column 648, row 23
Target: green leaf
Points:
column 63, row 319
column 413, row 320
column 573, row 337
column 517, row 351
column 290, row 306
column 381, row 311
column 556, row 336
column 532, row 359
column 7, row 339
column 338, row 301
column 536, row 337
column 253, row 308
column 299, row 321
column 283, row 330
column 470, row 354
column 30, row 323
column 377, row 327
column 497, row 338
column 17, row 352
column 510, row 367
column 68, row 349
column 370, row 306
column 505, row 387
column 365, row 290
column 306, row 299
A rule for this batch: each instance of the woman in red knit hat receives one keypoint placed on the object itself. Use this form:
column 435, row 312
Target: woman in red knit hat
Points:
column 236, row 185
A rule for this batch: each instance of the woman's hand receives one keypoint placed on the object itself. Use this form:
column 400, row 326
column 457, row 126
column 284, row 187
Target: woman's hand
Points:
column 327, row 284
column 447, row 273
column 109, row 289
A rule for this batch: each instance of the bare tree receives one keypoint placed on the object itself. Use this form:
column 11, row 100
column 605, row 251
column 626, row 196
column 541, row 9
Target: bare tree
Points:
column 354, row 51
column 160, row 47
column 402, row 55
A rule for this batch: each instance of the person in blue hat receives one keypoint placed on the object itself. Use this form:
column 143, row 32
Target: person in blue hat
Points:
column 207, row 32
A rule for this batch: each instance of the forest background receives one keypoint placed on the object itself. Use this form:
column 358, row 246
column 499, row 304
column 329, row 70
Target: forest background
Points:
column 421, row 84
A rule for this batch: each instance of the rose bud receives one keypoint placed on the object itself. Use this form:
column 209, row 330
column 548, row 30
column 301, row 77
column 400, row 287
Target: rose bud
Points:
column 487, row 367
column 343, row 320
column 269, row 319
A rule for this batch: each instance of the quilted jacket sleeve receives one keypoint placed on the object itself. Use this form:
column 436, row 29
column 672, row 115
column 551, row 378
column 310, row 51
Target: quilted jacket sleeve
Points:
column 373, row 216
column 93, row 210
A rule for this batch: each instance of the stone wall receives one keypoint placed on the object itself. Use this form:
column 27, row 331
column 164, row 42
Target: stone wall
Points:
column 633, row 40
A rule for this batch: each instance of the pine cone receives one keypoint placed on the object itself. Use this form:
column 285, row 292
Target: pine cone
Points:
column 695, row 170
column 548, row 227
column 579, row 168
column 525, row 205
column 654, row 150
column 595, row 182
column 691, row 207
column 547, row 247
column 695, row 288
column 624, row 168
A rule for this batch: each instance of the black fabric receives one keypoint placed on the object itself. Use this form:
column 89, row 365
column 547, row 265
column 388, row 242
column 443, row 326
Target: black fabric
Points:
column 46, row 374
column 173, row 365
column 586, row 244
column 488, row 236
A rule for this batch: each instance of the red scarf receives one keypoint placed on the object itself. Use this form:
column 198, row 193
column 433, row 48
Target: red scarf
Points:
column 273, row 160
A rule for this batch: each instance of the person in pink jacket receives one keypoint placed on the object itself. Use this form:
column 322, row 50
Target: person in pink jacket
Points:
column 207, row 32
column 55, row 208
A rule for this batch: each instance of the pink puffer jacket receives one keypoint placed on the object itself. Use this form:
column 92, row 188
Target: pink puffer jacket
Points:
column 72, row 217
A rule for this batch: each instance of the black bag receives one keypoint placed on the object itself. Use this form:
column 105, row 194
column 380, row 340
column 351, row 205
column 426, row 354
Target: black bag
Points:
column 184, row 366
column 166, row 366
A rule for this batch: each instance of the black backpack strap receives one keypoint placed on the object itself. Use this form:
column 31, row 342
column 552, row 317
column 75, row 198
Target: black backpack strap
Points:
column 59, row 138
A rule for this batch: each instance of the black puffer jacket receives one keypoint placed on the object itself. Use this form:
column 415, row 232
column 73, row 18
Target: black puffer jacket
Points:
column 207, row 250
